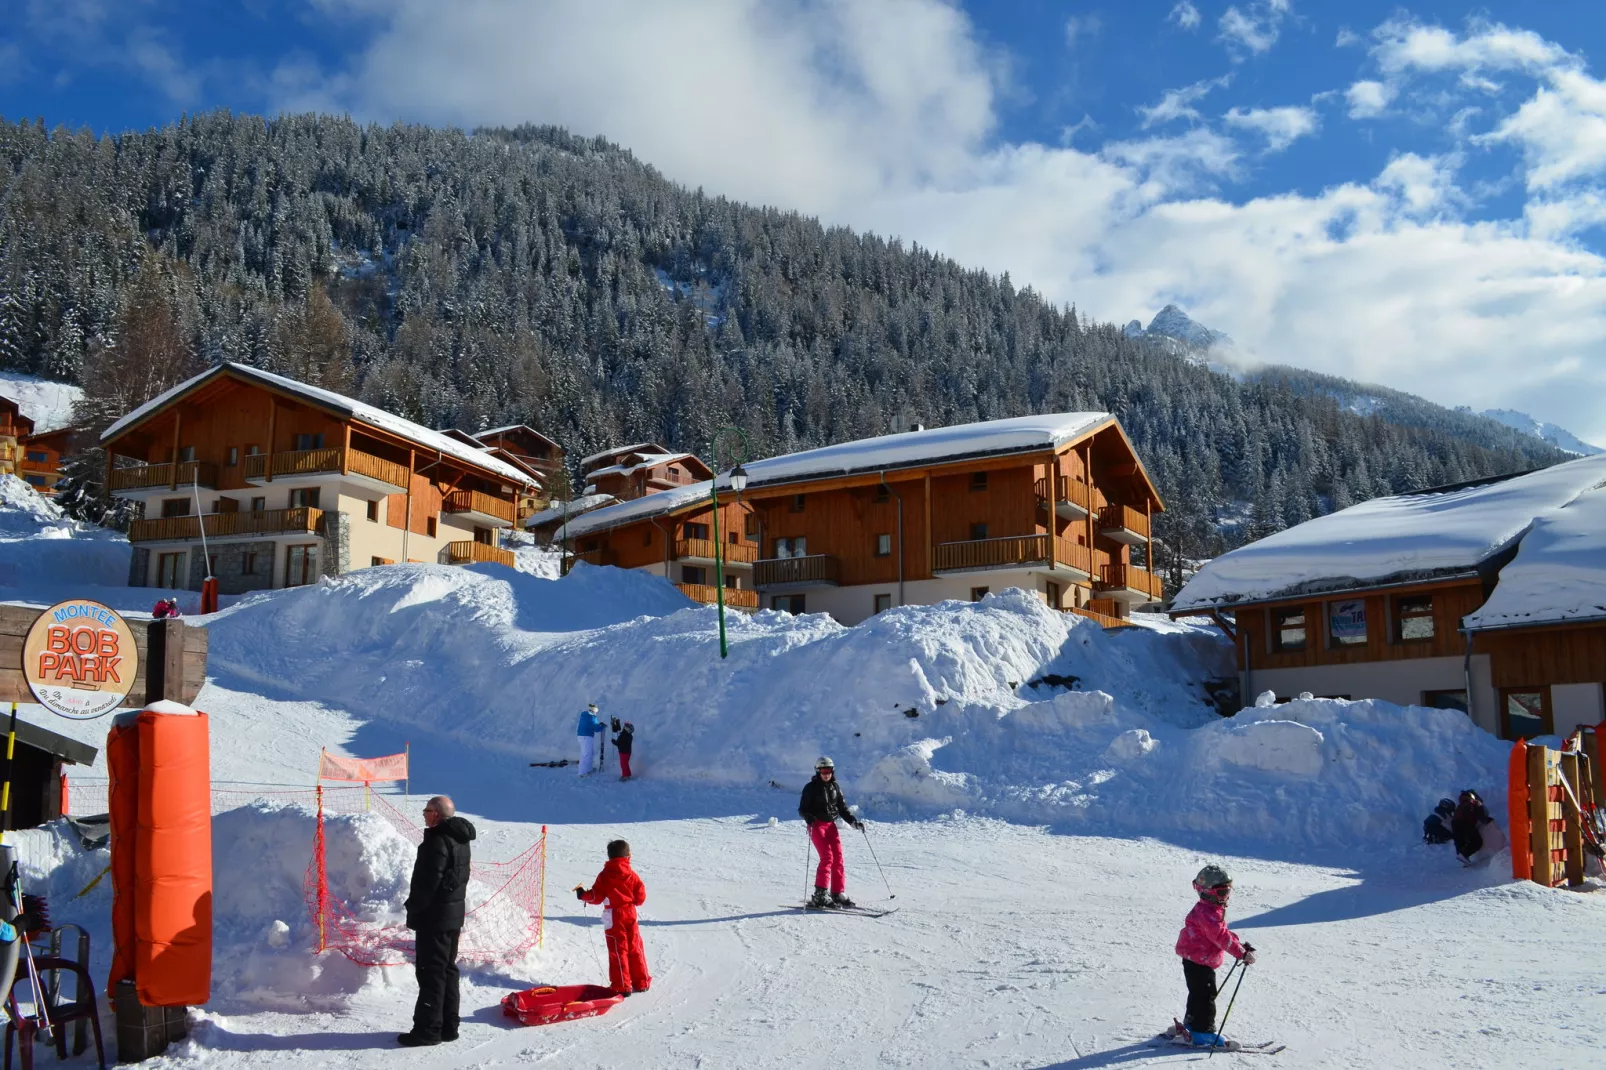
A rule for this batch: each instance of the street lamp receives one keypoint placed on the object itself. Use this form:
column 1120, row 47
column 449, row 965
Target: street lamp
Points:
column 738, row 478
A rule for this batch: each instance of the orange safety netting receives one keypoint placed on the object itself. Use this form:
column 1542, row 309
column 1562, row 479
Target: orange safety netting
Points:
column 506, row 900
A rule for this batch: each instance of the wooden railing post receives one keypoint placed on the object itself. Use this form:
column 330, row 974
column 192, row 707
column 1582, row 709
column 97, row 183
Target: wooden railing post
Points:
column 1573, row 828
column 1539, row 814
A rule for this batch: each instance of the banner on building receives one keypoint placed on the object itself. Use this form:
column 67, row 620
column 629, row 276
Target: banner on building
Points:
column 362, row 770
column 79, row 659
column 1346, row 621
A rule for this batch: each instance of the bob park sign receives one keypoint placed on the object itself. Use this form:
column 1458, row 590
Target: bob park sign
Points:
column 79, row 659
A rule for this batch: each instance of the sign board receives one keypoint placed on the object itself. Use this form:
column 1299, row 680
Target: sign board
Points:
column 79, row 659
column 1346, row 621
column 364, row 770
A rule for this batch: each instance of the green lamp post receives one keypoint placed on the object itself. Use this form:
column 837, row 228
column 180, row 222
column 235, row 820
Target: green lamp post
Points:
column 738, row 478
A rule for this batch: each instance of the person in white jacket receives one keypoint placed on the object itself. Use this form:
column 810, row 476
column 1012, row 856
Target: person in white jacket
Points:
column 1478, row 838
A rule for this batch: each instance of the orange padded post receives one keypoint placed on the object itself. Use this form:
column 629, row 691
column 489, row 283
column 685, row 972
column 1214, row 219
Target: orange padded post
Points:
column 1517, row 808
column 122, row 766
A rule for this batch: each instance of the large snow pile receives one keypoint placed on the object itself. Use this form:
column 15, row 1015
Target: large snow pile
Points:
column 1395, row 538
column 39, row 543
column 48, row 404
column 1001, row 707
column 1559, row 572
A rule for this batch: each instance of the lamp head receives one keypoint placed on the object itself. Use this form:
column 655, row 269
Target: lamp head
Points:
column 738, row 479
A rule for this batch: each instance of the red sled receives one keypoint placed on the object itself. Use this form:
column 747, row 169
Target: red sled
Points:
column 543, row 1006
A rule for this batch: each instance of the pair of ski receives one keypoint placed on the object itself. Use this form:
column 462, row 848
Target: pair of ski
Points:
column 863, row 912
column 1178, row 1035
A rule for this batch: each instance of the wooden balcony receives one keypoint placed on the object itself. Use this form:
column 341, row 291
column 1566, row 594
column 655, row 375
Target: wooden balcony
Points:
column 1011, row 551
column 741, row 553
column 1124, row 524
column 815, row 570
column 708, row 594
column 1071, row 499
column 469, row 552
column 158, row 477
column 480, row 506
column 1128, row 583
column 303, row 520
column 1104, row 619
column 386, row 476
column 42, row 467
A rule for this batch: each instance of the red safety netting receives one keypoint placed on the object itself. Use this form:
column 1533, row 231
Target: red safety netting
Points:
column 506, row 900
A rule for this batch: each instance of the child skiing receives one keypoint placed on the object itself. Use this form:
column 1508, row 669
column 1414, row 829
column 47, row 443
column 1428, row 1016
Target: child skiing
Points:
column 619, row 887
column 821, row 805
column 624, row 738
column 1204, row 941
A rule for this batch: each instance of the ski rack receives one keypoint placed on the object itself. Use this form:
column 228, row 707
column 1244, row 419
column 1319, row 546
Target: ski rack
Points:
column 1556, row 805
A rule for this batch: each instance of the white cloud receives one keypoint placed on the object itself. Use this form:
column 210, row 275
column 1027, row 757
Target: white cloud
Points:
column 1080, row 27
column 1281, row 127
column 1254, row 27
column 1184, row 15
column 1405, row 44
column 1368, row 99
column 883, row 116
column 1561, row 131
column 1179, row 103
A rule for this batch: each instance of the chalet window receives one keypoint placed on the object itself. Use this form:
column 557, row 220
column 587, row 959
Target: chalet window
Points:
column 883, row 545
column 750, row 526
column 788, row 603
column 430, row 527
column 797, row 546
column 735, row 539
column 695, row 531
column 234, row 456
column 1055, row 598
column 377, row 561
column 307, row 442
column 881, row 494
column 304, row 498
column 978, row 532
column 883, row 602
column 1445, row 700
column 483, row 537
column 674, row 473
column 175, row 507
column 1525, row 712
column 797, row 503
column 252, row 451
column 186, row 454
column 978, row 481
column 259, row 505
column 693, row 574
column 300, row 565
column 248, row 563
column 1346, row 622
column 730, row 582
column 978, row 593
column 1413, row 618
column 169, row 570
column 373, row 512
column 1288, row 629
column 646, row 537
column 37, row 456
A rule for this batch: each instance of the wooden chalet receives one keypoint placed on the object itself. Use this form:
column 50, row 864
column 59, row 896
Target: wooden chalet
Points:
column 531, row 498
column 1057, row 504
column 645, row 468
column 42, row 455
column 289, row 482
column 15, row 428
column 1399, row 598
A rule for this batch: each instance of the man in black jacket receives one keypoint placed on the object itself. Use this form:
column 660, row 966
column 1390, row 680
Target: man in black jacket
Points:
column 435, row 914
column 821, row 805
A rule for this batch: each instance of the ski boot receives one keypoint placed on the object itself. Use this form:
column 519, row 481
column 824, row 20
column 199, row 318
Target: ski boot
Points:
column 838, row 899
column 1215, row 1040
column 820, row 900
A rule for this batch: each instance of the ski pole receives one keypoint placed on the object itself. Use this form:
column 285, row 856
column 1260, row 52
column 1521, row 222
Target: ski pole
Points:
column 807, row 843
column 883, row 872
column 1222, row 1028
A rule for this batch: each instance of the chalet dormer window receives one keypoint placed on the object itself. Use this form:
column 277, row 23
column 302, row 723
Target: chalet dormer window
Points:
column 978, row 481
column 674, row 473
column 881, row 494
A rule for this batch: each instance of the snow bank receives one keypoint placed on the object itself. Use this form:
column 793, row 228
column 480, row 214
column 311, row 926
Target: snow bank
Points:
column 1559, row 572
column 38, row 541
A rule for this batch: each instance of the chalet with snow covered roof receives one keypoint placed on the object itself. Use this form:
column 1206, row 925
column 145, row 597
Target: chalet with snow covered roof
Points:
column 1488, row 597
column 42, row 455
column 14, row 428
column 645, row 468
column 268, row 482
column 1058, row 504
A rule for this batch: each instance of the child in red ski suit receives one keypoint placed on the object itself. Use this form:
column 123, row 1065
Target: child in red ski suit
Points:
column 1203, row 943
column 619, row 887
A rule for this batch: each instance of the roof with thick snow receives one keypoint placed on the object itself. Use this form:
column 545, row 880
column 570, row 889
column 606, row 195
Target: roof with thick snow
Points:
column 1396, row 539
column 621, row 450
column 327, row 399
column 1559, row 573
column 645, row 507
column 644, row 460
column 557, row 511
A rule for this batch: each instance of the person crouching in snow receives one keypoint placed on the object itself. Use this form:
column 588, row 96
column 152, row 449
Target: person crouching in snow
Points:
column 1478, row 837
column 821, row 805
column 588, row 729
column 1204, row 941
column 621, row 890
column 623, row 740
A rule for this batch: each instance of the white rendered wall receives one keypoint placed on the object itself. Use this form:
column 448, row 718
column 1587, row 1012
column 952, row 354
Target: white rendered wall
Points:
column 1572, row 705
column 1401, row 682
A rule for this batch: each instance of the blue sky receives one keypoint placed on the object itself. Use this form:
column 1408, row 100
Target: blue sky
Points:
column 1412, row 194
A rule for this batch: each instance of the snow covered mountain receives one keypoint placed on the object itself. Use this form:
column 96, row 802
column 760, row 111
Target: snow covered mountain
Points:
column 1559, row 437
column 1173, row 323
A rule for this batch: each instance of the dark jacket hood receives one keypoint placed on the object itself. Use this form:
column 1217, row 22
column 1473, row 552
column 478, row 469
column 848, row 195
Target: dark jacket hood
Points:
column 456, row 828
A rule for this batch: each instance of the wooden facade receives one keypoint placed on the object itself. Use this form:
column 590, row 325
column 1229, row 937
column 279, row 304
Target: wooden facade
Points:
column 41, row 455
column 14, row 429
column 1261, row 645
column 313, row 490
column 635, row 473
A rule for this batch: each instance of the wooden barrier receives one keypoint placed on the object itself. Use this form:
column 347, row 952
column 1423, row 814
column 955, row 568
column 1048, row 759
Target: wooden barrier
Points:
column 1552, row 798
column 169, row 650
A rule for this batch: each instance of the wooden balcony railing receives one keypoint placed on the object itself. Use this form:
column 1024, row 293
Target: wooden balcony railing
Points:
column 1069, row 490
column 470, row 552
column 818, row 570
column 476, row 501
column 26, row 465
column 227, row 525
column 1022, row 550
column 324, row 462
column 1117, row 577
column 708, row 594
column 735, row 553
column 1104, row 619
column 1123, row 518
column 156, row 476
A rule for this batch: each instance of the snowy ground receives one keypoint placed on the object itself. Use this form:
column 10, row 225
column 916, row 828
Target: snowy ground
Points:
column 1043, row 940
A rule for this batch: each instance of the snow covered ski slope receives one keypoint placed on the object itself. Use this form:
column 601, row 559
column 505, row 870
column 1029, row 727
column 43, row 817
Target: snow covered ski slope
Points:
column 1040, row 839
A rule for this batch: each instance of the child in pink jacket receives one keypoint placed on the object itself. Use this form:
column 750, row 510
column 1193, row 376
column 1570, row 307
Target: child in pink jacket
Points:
column 1203, row 943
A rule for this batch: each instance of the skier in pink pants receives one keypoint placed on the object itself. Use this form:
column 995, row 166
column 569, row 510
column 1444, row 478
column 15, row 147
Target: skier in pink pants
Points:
column 821, row 805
